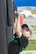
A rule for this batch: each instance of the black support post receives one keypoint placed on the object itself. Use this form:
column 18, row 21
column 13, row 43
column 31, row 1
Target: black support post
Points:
column 3, row 39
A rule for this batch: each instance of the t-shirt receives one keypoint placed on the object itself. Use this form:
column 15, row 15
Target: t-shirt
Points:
column 14, row 47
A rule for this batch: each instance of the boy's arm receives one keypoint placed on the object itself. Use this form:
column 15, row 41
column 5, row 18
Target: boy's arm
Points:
column 18, row 28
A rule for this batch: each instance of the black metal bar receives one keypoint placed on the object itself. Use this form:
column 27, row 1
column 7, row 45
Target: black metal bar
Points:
column 3, row 39
column 10, row 19
column 10, row 12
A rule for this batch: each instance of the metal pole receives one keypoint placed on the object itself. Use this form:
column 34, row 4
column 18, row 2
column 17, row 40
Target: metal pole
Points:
column 10, row 20
column 3, row 39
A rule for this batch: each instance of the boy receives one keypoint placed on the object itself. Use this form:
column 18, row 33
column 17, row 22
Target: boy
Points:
column 20, row 43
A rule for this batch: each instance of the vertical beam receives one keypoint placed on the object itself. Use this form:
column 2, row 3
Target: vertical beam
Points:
column 10, row 19
column 10, row 12
column 3, row 41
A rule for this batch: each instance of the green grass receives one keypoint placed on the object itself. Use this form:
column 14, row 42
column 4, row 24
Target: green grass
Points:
column 34, row 27
column 31, row 45
column 33, row 11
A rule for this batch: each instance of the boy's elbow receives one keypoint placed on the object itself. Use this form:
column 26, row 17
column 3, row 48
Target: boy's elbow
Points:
column 18, row 33
column 17, row 30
